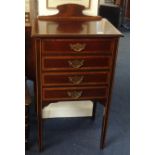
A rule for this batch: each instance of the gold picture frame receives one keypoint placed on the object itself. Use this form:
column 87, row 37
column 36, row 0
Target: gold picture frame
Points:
column 51, row 4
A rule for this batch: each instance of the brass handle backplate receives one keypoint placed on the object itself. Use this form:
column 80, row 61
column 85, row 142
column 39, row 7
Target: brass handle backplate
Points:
column 76, row 63
column 77, row 47
column 74, row 94
column 76, row 79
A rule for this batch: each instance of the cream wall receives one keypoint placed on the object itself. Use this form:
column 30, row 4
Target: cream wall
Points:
column 102, row 1
column 27, row 7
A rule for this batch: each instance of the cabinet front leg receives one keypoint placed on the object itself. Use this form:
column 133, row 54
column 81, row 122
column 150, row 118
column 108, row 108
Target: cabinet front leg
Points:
column 40, row 133
column 104, row 126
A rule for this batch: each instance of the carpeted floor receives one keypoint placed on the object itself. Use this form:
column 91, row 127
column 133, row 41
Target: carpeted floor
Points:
column 81, row 136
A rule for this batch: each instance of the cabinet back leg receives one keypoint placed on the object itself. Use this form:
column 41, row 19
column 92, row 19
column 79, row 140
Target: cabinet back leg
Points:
column 94, row 110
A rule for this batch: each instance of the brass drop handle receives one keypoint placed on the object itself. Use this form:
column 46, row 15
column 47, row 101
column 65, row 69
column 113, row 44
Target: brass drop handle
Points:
column 78, row 47
column 76, row 79
column 76, row 63
column 74, row 94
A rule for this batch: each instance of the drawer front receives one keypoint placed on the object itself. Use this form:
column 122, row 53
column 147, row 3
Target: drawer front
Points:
column 75, row 78
column 76, row 63
column 73, row 93
column 77, row 45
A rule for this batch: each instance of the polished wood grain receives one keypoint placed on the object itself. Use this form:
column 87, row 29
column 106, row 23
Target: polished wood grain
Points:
column 76, row 63
column 75, row 78
column 62, row 94
column 75, row 60
column 71, row 12
column 91, row 46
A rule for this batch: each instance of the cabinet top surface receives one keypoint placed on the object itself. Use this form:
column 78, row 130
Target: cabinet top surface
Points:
column 98, row 28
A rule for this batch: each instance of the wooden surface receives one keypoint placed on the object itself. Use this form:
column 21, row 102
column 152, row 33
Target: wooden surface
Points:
column 74, row 60
column 97, row 29
column 71, row 12
column 75, row 78
column 93, row 52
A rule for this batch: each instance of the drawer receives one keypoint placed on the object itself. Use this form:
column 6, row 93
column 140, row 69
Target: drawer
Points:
column 74, row 93
column 76, row 62
column 75, row 78
column 77, row 45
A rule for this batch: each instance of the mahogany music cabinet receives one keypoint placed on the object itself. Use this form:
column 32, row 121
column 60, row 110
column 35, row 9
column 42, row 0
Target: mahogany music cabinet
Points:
column 75, row 60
